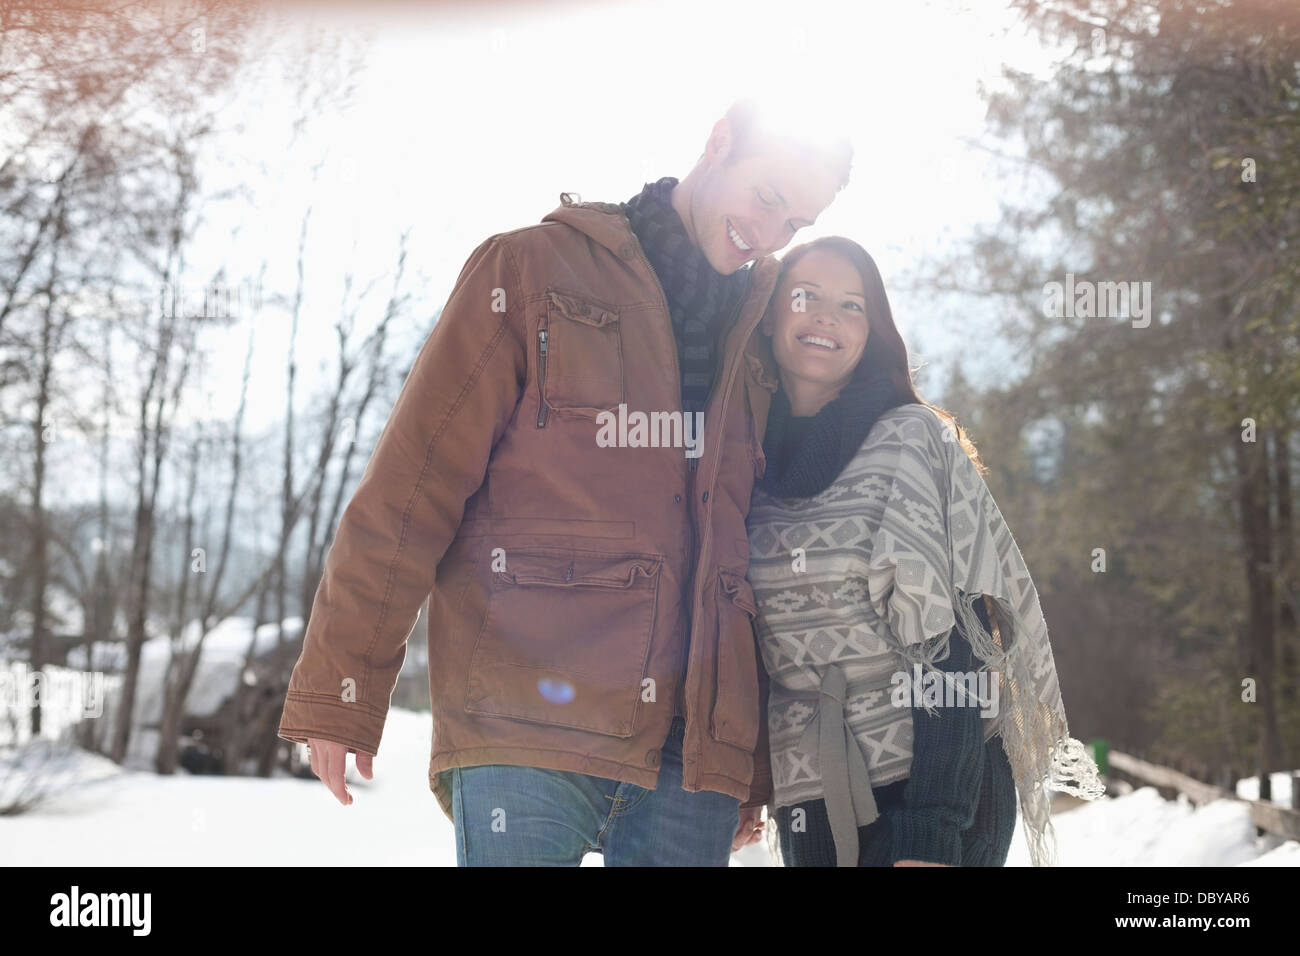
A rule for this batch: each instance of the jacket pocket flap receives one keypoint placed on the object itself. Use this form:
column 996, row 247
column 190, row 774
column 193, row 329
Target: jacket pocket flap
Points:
column 567, row 568
column 581, row 310
column 739, row 590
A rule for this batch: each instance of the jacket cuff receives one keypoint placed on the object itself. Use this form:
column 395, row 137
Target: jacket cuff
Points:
column 311, row 715
column 924, row 835
column 760, row 792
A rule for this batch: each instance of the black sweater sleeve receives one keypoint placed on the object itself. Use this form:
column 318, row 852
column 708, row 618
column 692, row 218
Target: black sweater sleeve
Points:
column 942, row 791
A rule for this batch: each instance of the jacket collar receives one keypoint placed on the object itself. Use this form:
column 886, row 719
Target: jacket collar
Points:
column 605, row 223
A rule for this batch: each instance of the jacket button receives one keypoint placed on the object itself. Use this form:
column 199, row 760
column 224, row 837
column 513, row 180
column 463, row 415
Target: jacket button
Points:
column 706, row 496
column 677, row 497
column 652, row 758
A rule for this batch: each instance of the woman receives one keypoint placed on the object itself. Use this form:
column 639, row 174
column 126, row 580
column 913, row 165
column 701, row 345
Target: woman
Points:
column 874, row 549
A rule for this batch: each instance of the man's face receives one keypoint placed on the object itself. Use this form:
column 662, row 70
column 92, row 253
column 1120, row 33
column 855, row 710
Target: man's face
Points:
column 752, row 207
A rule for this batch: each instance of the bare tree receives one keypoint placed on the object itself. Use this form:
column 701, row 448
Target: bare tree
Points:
column 255, row 712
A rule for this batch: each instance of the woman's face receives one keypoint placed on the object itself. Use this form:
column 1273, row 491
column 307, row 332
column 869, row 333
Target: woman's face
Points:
column 818, row 320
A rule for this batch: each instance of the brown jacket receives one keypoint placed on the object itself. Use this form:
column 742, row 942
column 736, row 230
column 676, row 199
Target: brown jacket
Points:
column 561, row 574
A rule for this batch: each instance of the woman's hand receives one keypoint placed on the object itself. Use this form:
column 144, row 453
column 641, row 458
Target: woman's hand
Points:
column 750, row 829
column 917, row 863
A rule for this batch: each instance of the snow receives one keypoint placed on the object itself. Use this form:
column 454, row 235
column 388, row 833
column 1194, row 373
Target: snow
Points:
column 136, row 818
column 103, row 815
column 1248, row 789
column 1143, row 829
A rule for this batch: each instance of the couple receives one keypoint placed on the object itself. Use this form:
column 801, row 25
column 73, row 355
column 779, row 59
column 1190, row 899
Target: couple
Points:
column 634, row 647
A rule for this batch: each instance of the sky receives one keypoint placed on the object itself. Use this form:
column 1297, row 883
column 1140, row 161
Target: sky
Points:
column 454, row 122
column 469, row 120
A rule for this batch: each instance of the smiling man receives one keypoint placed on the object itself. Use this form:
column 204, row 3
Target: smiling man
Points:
column 592, row 667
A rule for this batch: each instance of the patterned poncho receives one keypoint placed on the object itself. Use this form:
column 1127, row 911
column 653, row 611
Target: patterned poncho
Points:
column 860, row 586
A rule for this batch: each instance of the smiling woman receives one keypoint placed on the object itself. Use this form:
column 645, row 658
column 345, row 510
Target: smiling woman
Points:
column 829, row 302
column 819, row 328
column 902, row 559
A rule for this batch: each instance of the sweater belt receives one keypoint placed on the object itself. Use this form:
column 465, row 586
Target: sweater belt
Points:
column 845, row 781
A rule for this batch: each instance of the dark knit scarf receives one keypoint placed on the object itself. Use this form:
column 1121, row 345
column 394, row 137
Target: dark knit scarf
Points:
column 700, row 299
column 805, row 454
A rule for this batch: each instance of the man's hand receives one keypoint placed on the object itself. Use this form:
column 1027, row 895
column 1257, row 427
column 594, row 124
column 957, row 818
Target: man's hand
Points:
column 750, row 829
column 329, row 762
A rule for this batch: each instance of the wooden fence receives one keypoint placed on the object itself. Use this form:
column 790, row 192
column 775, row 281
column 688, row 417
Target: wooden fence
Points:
column 1270, row 817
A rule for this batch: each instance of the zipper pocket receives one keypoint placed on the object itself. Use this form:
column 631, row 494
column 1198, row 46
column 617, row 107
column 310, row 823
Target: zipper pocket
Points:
column 541, row 378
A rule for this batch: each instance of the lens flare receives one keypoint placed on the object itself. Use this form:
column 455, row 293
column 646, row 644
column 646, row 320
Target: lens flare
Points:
column 556, row 691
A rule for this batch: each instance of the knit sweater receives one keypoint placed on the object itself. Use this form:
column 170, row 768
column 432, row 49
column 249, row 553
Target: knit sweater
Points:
column 957, row 806
column 932, row 815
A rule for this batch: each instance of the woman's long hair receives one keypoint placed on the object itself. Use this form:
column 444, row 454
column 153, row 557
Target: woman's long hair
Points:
column 884, row 360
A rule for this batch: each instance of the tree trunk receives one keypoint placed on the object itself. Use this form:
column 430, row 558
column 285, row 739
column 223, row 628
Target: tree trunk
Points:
column 1256, row 536
column 1288, row 584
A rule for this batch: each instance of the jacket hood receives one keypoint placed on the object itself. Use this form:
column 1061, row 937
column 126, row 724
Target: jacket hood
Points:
column 605, row 223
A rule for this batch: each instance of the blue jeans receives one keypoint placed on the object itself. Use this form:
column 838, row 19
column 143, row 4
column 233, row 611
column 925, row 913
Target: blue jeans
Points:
column 530, row 816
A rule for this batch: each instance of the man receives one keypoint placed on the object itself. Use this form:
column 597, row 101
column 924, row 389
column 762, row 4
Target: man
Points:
column 567, row 469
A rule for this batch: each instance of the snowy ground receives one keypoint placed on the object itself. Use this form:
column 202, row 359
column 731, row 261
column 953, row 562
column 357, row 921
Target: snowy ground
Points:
column 106, row 816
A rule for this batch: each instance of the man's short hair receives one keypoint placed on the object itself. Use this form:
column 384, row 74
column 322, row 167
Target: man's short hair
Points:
column 751, row 120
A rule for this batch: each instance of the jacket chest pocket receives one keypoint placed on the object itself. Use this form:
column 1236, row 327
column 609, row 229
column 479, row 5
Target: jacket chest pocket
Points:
column 580, row 355
column 565, row 639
